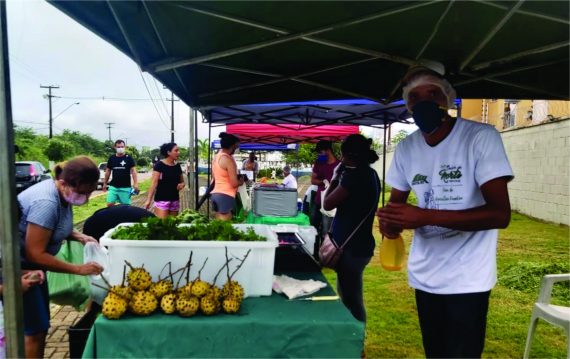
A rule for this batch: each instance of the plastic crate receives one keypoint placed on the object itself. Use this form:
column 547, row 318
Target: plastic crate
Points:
column 255, row 275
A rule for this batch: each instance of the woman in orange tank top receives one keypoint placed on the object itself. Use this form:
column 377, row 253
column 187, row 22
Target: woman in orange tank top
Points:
column 226, row 179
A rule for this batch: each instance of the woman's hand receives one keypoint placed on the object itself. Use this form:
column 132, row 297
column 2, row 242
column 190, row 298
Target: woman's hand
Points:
column 147, row 204
column 84, row 239
column 89, row 268
column 180, row 186
column 32, row 278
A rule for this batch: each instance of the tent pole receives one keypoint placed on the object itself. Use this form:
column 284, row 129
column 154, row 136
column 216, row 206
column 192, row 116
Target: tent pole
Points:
column 209, row 163
column 192, row 158
column 384, row 166
column 13, row 312
column 298, row 164
column 196, row 179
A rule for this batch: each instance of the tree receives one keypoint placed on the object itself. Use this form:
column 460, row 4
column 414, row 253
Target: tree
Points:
column 143, row 161
column 305, row 156
column 398, row 137
column 58, row 150
column 203, row 146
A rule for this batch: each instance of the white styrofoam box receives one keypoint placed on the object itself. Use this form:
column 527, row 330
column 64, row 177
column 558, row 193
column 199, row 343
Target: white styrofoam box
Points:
column 255, row 275
column 307, row 233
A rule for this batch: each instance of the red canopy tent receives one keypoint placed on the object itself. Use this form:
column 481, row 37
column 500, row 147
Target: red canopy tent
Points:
column 282, row 134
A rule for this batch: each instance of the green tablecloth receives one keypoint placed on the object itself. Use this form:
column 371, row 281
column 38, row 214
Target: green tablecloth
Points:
column 300, row 219
column 266, row 327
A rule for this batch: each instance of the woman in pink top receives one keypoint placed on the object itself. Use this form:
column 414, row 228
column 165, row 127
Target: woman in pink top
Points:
column 226, row 179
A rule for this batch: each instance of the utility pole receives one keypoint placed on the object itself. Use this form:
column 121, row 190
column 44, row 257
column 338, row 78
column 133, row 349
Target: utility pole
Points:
column 171, row 115
column 49, row 95
column 109, row 125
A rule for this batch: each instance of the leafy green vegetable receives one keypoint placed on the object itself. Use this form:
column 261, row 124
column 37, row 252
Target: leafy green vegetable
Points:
column 170, row 229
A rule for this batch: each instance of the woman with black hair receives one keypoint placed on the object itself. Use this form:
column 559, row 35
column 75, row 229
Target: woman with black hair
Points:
column 225, row 173
column 167, row 181
column 354, row 191
column 46, row 221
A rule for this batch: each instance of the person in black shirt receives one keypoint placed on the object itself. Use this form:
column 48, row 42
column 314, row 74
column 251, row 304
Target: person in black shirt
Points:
column 354, row 191
column 167, row 181
column 106, row 218
column 123, row 167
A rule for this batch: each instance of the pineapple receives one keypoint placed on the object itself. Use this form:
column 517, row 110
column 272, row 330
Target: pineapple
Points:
column 168, row 303
column 143, row 303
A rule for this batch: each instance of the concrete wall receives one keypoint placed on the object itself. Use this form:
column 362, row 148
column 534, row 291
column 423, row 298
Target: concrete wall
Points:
column 540, row 158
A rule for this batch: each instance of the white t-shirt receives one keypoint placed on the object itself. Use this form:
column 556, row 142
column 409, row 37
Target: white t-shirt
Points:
column 290, row 181
column 448, row 177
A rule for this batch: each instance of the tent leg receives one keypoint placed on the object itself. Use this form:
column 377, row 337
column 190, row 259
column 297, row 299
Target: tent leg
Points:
column 13, row 312
column 384, row 166
column 196, row 178
column 209, row 161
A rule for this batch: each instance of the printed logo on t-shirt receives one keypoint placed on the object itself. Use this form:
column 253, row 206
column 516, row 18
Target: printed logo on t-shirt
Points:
column 450, row 173
column 123, row 163
column 419, row 179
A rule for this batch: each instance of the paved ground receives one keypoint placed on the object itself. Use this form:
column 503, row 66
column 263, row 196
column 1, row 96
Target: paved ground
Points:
column 62, row 317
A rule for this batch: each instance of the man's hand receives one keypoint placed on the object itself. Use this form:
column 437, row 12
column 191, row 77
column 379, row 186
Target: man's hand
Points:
column 147, row 204
column 136, row 187
column 104, row 188
column 400, row 216
column 180, row 186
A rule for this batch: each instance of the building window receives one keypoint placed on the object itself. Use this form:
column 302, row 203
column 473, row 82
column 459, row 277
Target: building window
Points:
column 509, row 115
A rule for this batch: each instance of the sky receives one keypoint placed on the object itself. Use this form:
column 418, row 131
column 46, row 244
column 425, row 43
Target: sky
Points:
column 49, row 48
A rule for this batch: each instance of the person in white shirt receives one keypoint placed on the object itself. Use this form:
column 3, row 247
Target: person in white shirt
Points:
column 459, row 172
column 289, row 181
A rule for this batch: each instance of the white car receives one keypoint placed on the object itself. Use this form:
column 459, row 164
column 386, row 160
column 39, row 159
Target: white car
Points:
column 102, row 168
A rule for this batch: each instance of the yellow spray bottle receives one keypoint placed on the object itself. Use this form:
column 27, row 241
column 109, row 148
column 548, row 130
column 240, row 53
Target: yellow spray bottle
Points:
column 392, row 253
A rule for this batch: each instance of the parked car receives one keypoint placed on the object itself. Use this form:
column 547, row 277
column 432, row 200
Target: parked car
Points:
column 28, row 173
column 102, row 169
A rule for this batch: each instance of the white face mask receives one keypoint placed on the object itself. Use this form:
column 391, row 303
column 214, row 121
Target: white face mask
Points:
column 120, row 150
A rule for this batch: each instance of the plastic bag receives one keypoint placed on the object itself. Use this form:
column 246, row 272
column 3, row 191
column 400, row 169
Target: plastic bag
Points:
column 65, row 288
column 324, row 212
column 245, row 199
column 93, row 252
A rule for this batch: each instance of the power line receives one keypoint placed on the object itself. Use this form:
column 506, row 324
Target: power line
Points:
column 109, row 125
column 154, row 104
column 105, row 98
column 160, row 95
column 49, row 95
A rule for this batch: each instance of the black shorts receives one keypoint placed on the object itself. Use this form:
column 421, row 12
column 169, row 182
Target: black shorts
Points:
column 222, row 203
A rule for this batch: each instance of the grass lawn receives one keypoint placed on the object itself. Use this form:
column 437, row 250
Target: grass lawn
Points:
column 81, row 213
column 393, row 330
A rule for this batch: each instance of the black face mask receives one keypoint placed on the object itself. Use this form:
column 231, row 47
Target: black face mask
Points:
column 427, row 116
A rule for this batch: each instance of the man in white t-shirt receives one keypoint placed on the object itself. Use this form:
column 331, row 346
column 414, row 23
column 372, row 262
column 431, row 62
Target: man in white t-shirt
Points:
column 289, row 181
column 459, row 172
